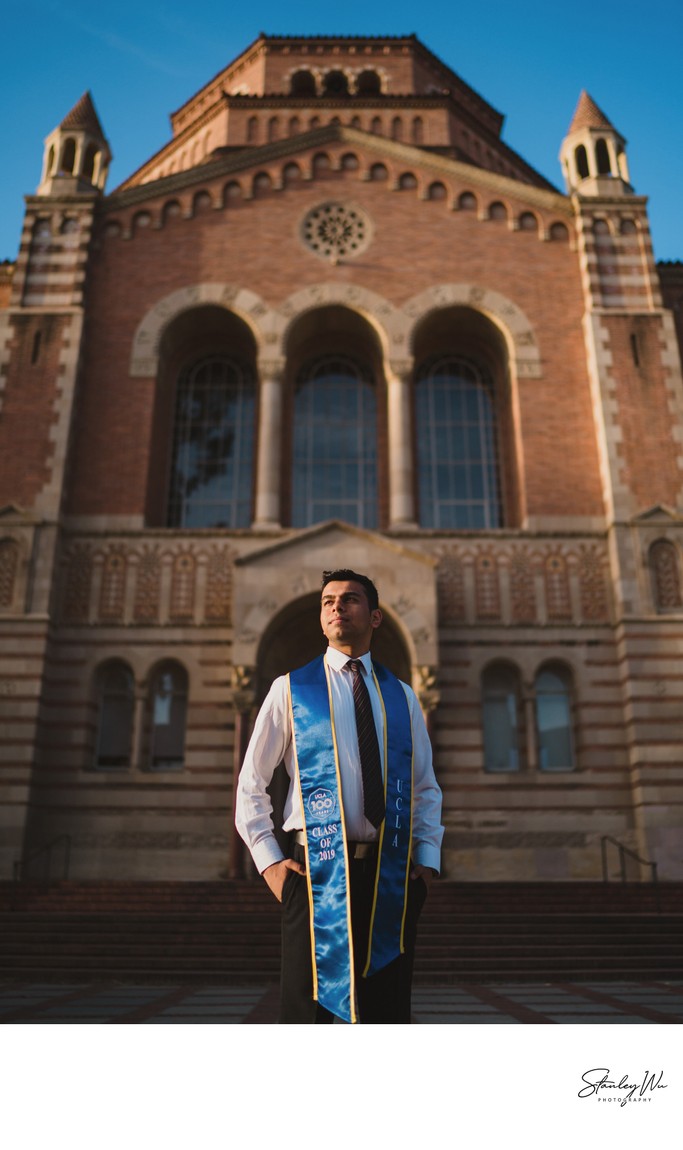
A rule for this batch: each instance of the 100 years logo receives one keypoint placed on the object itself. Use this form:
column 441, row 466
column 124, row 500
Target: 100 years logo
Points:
column 322, row 805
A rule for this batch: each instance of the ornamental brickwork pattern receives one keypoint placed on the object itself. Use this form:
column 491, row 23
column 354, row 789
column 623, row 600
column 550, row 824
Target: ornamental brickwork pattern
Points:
column 144, row 582
column 532, row 584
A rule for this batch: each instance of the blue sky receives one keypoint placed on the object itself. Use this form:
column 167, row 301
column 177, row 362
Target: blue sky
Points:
column 530, row 60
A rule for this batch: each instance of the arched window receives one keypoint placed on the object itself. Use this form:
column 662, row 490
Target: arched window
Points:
column 457, row 446
column 467, row 202
column 602, row 158
column 213, row 446
column 68, row 156
column 291, row 174
column 581, row 157
column 397, row 128
column 115, row 711
column 418, row 130
column 168, row 712
column 501, row 706
column 334, row 457
column 336, row 84
column 368, row 84
column 89, row 162
column 555, row 741
column 666, row 580
column 559, row 233
column 302, row 84
column 528, row 222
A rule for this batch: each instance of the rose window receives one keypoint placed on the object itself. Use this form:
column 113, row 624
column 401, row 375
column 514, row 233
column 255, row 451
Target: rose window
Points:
column 335, row 231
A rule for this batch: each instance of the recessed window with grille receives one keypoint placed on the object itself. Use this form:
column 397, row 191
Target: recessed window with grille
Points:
column 666, row 580
column 213, row 446
column 168, row 702
column 457, row 446
column 501, row 709
column 115, row 709
column 334, row 451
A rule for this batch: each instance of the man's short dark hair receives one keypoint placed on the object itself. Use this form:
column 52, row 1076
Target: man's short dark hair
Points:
column 344, row 575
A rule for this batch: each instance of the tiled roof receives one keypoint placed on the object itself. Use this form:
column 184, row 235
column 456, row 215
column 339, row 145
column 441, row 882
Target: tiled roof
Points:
column 588, row 115
column 83, row 117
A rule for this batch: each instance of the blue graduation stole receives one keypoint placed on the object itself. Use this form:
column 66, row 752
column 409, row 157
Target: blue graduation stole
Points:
column 317, row 759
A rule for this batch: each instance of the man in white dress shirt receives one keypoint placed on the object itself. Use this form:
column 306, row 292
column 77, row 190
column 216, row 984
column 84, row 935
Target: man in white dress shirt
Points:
column 349, row 615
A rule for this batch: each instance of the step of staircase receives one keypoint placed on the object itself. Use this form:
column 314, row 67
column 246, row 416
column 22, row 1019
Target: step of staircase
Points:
column 230, row 932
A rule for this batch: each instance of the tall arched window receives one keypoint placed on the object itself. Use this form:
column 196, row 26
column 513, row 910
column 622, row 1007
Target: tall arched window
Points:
column 581, row 157
column 213, row 445
column 501, row 705
column 602, row 158
column 554, row 735
column 457, row 446
column 68, row 157
column 334, row 455
column 115, row 710
column 168, row 712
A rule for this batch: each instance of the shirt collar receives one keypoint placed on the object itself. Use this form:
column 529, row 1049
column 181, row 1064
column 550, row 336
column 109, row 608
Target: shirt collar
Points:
column 337, row 660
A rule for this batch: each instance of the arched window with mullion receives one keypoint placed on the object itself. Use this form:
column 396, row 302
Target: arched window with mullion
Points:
column 213, row 445
column 501, row 705
column 458, row 469
column 115, row 711
column 334, row 444
column 554, row 733
column 168, row 717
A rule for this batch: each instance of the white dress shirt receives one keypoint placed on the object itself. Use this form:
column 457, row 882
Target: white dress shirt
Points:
column 271, row 744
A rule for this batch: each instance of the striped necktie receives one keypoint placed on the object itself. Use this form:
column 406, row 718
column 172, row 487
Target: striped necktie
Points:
column 368, row 746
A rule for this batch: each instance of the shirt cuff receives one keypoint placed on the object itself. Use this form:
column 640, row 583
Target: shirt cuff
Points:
column 424, row 854
column 266, row 853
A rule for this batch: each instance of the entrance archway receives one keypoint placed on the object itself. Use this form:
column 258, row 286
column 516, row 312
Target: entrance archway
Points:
column 294, row 637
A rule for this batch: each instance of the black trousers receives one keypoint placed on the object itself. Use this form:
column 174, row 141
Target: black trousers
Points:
column 382, row 998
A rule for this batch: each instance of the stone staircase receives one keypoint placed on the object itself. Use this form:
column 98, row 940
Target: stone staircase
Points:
column 228, row 932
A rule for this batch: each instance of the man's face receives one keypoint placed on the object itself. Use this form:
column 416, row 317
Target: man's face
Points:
column 346, row 618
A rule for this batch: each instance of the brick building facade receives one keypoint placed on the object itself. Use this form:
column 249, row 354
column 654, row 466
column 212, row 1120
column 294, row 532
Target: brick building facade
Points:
column 336, row 321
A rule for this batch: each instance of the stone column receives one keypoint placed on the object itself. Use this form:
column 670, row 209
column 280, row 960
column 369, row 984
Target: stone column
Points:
column 401, row 463
column 244, row 697
column 269, row 461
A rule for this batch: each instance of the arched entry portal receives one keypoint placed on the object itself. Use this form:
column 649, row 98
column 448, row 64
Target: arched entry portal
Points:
column 292, row 639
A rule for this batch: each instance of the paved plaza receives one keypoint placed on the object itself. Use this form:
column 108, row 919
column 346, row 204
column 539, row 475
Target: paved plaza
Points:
column 469, row 1003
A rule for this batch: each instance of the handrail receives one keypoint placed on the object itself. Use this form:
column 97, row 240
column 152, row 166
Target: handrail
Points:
column 46, row 849
column 623, row 851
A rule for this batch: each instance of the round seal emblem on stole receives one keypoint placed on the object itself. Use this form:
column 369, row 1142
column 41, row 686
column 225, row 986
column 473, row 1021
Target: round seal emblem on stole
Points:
column 322, row 805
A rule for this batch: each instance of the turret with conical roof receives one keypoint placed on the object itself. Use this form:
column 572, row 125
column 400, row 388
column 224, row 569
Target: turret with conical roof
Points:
column 593, row 153
column 77, row 155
